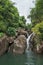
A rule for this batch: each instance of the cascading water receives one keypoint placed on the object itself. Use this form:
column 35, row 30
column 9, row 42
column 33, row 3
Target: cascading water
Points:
column 28, row 41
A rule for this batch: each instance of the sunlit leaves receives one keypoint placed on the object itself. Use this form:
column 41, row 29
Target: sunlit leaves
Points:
column 38, row 29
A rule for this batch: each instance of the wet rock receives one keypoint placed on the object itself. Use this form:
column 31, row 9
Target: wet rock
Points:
column 3, row 45
column 36, row 45
column 19, row 45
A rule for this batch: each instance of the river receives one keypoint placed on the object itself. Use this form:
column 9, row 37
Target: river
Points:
column 29, row 58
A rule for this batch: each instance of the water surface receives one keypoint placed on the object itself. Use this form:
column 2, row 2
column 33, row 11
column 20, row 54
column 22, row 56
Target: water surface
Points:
column 29, row 58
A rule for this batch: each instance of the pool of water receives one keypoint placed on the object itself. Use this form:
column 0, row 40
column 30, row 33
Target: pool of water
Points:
column 29, row 58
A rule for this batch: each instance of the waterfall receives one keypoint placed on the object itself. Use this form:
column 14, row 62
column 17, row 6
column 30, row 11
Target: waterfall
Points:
column 28, row 41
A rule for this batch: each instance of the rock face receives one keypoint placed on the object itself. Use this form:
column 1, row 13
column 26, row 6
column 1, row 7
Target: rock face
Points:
column 22, row 32
column 3, row 45
column 16, row 45
column 10, row 40
column 36, row 45
column 40, row 48
column 19, row 45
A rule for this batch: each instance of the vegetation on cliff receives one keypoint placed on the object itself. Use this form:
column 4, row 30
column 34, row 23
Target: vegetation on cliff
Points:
column 36, row 15
column 10, row 20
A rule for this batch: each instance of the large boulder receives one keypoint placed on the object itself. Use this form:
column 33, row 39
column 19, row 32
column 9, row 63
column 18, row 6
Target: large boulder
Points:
column 3, row 45
column 20, row 45
column 22, row 32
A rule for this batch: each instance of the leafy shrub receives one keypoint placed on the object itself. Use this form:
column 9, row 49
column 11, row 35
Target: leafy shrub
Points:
column 3, row 26
column 11, row 31
column 1, row 34
column 38, row 29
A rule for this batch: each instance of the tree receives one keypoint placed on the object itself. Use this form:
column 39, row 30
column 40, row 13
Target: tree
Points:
column 9, row 18
column 36, row 15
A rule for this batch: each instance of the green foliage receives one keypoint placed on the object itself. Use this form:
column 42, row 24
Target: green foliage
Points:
column 1, row 34
column 22, row 21
column 38, row 29
column 36, row 15
column 29, row 26
column 21, row 24
column 9, row 18
column 11, row 31
column 22, row 18
column 3, row 26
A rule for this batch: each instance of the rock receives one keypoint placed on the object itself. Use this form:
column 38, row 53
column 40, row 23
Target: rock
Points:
column 10, row 49
column 3, row 45
column 19, row 45
column 35, row 44
column 22, row 32
column 10, row 40
column 40, row 48
column 29, row 32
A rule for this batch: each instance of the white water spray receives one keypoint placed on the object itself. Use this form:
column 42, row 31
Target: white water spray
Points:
column 28, row 41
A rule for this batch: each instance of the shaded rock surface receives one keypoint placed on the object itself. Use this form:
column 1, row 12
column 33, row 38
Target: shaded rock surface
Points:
column 10, row 40
column 22, row 32
column 15, row 44
column 40, row 48
column 35, row 44
column 3, row 45
column 19, row 45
